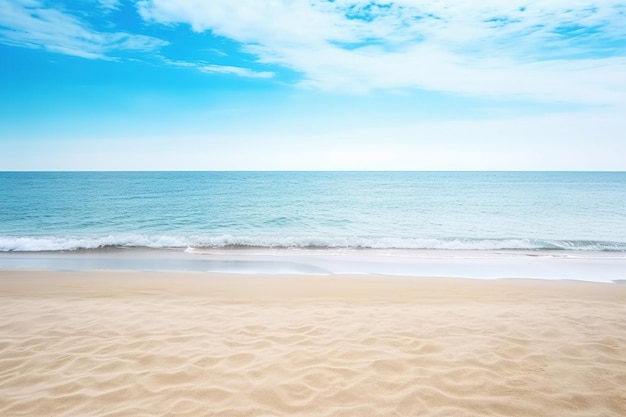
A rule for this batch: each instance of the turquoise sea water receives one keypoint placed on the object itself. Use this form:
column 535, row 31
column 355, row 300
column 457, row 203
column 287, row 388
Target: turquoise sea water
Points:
column 476, row 211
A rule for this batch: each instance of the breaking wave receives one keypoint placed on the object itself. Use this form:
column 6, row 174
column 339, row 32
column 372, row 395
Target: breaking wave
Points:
column 70, row 243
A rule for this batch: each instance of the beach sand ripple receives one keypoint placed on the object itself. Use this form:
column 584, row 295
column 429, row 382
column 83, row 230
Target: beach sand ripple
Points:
column 103, row 344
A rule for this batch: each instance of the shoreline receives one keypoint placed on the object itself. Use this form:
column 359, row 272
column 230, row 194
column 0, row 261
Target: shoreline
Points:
column 369, row 288
column 46, row 282
column 550, row 265
column 116, row 343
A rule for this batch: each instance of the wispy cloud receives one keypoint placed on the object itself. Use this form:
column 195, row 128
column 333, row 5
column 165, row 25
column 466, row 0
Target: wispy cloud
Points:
column 220, row 69
column 109, row 4
column 557, row 50
column 540, row 49
column 30, row 24
column 228, row 69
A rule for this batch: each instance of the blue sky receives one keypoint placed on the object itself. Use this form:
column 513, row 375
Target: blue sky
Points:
column 256, row 85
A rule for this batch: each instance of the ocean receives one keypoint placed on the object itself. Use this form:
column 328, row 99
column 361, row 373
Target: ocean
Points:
column 580, row 213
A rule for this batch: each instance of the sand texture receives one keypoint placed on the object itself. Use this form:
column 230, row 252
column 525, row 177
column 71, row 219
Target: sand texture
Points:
column 138, row 344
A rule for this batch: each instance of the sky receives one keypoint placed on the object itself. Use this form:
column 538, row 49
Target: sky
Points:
column 312, row 85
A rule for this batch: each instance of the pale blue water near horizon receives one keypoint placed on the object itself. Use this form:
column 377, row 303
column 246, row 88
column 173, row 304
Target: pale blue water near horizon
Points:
column 287, row 218
column 582, row 211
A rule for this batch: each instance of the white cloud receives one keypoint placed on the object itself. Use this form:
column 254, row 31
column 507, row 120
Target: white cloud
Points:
column 28, row 23
column 221, row 69
column 243, row 72
column 491, row 48
column 110, row 4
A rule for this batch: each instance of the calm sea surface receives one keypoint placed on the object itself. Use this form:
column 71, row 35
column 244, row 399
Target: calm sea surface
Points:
column 411, row 210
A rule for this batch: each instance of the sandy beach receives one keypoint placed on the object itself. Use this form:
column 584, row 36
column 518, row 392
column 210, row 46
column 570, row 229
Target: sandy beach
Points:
column 195, row 344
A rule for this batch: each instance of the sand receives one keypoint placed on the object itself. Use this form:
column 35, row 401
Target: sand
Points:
column 191, row 344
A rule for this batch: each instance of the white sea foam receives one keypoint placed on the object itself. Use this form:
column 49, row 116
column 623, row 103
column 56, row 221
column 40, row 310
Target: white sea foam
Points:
column 69, row 243
column 57, row 243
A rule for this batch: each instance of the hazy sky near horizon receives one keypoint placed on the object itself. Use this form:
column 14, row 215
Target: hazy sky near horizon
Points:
column 290, row 84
